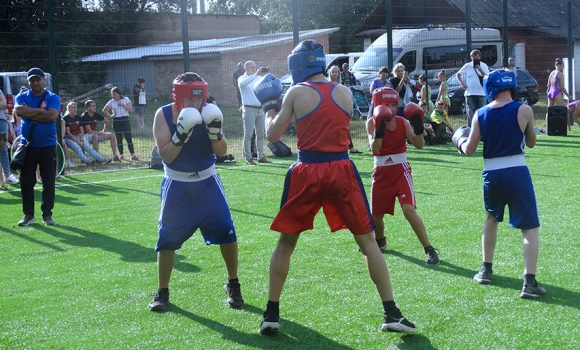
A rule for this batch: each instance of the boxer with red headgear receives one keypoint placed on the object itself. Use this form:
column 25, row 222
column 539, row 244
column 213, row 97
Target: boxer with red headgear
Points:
column 191, row 191
column 392, row 176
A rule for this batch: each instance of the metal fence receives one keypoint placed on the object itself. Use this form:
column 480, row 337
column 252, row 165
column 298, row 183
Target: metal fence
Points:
column 91, row 46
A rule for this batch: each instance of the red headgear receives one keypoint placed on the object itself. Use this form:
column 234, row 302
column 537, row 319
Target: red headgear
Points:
column 183, row 89
column 385, row 95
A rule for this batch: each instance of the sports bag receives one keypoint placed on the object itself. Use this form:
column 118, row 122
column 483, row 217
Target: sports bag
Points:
column 280, row 149
column 156, row 162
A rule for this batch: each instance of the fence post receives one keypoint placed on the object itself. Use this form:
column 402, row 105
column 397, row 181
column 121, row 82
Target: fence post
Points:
column 54, row 72
column 295, row 28
column 389, row 25
column 571, row 88
column 184, row 35
column 505, row 50
column 468, row 28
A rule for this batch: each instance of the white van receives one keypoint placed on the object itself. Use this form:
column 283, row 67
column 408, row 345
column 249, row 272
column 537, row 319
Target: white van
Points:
column 428, row 50
column 11, row 82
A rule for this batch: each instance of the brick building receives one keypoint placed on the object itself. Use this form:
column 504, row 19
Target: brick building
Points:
column 214, row 59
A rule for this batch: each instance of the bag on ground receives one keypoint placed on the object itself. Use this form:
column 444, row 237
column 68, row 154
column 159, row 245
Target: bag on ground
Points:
column 156, row 162
column 280, row 149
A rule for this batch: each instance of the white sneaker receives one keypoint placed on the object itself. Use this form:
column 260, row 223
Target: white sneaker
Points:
column 69, row 164
column 11, row 180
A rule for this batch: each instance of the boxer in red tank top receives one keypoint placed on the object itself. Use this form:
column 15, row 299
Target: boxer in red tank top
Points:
column 322, row 177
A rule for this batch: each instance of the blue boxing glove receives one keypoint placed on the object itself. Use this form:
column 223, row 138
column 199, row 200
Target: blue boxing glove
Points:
column 268, row 90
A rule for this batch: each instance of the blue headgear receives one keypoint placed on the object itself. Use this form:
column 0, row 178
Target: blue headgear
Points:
column 498, row 80
column 306, row 59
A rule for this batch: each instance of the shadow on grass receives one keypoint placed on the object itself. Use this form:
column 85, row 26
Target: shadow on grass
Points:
column 556, row 295
column 128, row 251
column 291, row 336
column 32, row 240
column 560, row 143
column 415, row 341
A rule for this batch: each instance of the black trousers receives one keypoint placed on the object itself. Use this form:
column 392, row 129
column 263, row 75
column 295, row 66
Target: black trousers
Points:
column 45, row 158
column 122, row 127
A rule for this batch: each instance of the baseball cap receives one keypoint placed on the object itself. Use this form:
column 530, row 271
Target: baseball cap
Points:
column 344, row 65
column 35, row 72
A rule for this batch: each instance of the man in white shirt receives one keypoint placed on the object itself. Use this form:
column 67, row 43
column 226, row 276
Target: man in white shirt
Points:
column 470, row 76
column 252, row 113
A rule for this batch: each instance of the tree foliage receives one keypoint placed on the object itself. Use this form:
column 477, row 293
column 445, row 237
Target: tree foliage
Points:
column 276, row 16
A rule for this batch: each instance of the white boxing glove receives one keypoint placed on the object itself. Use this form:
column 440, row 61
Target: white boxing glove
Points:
column 212, row 117
column 187, row 119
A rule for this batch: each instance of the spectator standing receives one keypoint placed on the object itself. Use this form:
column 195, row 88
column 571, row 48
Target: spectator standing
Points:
column 140, row 102
column 401, row 84
column 382, row 80
column 252, row 113
column 237, row 74
column 39, row 108
column 120, row 107
column 556, row 88
column 470, row 76
column 4, row 127
column 191, row 191
column 512, row 66
column 443, row 93
column 323, row 176
column 504, row 126
column 89, row 120
column 347, row 77
column 426, row 93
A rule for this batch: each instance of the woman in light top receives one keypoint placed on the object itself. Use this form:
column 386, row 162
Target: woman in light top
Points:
column 118, row 108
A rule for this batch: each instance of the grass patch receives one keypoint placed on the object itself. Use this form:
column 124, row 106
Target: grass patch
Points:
column 86, row 282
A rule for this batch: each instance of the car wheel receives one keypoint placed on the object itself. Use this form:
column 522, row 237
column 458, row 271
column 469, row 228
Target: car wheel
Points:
column 524, row 99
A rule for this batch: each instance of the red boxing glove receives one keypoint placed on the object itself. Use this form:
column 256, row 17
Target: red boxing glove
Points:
column 415, row 115
column 381, row 115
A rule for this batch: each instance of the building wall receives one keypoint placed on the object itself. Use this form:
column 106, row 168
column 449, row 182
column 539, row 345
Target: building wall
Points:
column 541, row 53
column 218, row 71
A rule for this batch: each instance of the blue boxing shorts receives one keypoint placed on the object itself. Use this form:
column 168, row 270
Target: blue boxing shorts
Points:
column 188, row 206
column 512, row 187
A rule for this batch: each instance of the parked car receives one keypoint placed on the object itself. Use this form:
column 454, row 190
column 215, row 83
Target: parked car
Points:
column 11, row 82
column 526, row 92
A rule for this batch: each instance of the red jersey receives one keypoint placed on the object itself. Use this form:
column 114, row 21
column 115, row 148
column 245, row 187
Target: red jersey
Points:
column 395, row 141
column 326, row 128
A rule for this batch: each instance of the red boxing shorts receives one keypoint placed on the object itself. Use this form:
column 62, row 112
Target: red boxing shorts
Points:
column 334, row 186
column 390, row 182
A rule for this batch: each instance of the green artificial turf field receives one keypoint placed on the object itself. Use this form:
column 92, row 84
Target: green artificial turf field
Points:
column 86, row 283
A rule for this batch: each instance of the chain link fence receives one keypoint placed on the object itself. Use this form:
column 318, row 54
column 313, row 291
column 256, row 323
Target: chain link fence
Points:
column 93, row 46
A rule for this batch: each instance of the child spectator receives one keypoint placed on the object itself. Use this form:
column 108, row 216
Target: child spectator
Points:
column 442, row 122
column 442, row 96
column 426, row 93
column 428, row 133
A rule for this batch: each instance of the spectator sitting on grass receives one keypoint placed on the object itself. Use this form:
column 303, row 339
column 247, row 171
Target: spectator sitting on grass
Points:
column 442, row 122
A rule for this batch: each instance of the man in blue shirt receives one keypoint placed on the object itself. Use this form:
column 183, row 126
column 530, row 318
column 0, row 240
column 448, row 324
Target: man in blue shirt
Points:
column 41, row 108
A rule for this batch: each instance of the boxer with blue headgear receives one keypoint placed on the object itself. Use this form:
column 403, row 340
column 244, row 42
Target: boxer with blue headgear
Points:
column 306, row 60
column 497, row 81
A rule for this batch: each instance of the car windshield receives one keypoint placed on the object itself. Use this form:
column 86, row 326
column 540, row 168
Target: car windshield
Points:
column 452, row 80
column 374, row 58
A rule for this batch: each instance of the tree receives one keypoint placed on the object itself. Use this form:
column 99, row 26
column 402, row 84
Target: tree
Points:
column 276, row 16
